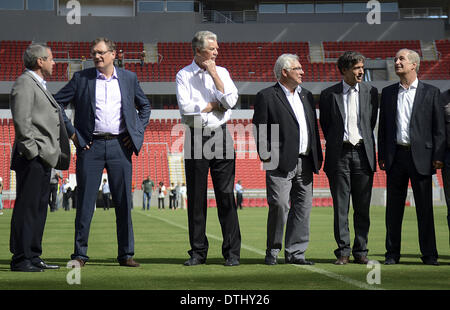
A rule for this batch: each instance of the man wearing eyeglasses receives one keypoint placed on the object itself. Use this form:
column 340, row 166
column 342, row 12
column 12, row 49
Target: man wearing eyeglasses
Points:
column 290, row 158
column 106, row 132
column 348, row 114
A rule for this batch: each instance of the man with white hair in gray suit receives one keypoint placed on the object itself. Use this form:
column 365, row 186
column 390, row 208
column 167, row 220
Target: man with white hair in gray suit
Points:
column 41, row 143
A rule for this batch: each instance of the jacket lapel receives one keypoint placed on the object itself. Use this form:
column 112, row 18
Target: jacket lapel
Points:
column 121, row 84
column 363, row 107
column 91, row 87
column 418, row 98
column 282, row 96
column 339, row 99
column 45, row 91
column 309, row 113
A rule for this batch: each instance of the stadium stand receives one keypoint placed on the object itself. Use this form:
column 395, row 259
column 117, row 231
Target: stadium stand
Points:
column 246, row 61
column 249, row 41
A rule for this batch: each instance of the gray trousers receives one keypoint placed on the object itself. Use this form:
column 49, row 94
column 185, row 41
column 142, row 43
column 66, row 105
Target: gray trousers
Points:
column 289, row 196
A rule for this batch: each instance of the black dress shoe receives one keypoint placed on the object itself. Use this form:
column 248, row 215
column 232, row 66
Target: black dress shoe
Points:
column 270, row 260
column 391, row 261
column 43, row 265
column 430, row 261
column 232, row 262
column 300, row 261
column 193, row 261
column 25, row 266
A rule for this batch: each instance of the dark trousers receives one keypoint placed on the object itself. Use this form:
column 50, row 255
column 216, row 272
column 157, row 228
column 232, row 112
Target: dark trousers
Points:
column 116, row 158
column 222, row 174
column 30, row 210
column 53, row 196
column 446, row 180
column 398, row 177
column 160, row 203
column 239, row 198
column 353, row 177
column 106, row 201
column 172, row 202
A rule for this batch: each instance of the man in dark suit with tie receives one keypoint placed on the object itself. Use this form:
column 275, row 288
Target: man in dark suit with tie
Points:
column 111, row 113
column 288, row 143
column 445, row 103
column 348, row 114
column 411, row 146
column 41, row 143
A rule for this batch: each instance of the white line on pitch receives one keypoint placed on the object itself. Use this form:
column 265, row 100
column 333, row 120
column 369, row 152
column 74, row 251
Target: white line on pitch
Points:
column 326, row 273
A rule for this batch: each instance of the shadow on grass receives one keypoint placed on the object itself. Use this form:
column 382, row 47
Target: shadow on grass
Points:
column 415, row 256
column 210, row 261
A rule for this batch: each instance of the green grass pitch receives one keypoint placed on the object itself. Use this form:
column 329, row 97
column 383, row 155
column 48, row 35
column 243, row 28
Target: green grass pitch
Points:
column 161, row 245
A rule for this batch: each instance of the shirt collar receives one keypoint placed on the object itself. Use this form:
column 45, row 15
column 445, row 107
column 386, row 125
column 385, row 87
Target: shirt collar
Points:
column 347, row 87
column 298, row 89
column 196, row 69
column 103, row 77
column 40, row 79
column 413, row 85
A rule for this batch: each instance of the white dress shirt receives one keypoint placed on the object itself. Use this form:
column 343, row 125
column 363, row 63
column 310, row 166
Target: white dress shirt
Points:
column 108, row 105
column 405, row 101
column 345, row 93
column 195, row 89
column 41, row 80
column 297, row 106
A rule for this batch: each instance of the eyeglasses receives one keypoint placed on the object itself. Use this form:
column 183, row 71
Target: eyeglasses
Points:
column 101, row 53
column 295, row 69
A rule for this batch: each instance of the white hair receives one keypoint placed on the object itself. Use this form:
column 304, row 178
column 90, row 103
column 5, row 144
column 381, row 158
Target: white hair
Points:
column 283, row 62
column 412, row 56
column 200, row 39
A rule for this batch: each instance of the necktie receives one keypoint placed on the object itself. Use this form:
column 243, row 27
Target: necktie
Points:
column 352, row 119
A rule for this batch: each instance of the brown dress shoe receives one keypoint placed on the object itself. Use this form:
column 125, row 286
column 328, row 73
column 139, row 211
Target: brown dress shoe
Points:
column 129, row 263
column 343, row 260
column 77, row 262
column 361, row 260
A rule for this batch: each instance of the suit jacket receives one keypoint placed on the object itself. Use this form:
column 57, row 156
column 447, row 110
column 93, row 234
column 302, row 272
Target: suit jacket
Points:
column 445, row 103
column 273, row 108
column 426, row 132
column 332, row 117
column 38, row 124
column 81, row 92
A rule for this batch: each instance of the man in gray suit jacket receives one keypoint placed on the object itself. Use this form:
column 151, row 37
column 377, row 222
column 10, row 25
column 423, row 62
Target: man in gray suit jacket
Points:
column 41, row 143
column 348, row 114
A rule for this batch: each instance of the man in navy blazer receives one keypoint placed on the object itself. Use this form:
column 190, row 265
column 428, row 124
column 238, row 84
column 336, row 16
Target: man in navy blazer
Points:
column 111, row 113
column 411, row 146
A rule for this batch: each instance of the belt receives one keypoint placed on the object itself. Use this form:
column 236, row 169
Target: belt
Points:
column 106, row 136
column 302, row 156
column 404, row 147
column 359, row 144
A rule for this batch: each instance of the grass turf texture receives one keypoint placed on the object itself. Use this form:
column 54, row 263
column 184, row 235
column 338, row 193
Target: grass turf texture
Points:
column 161, row 244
